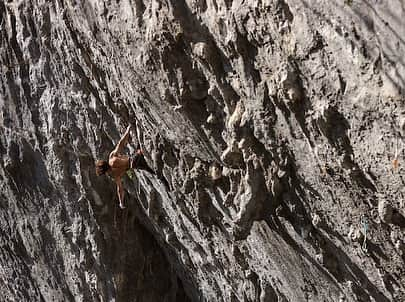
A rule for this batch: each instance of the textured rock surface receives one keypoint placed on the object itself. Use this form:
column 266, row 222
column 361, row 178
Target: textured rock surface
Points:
column 276, row 129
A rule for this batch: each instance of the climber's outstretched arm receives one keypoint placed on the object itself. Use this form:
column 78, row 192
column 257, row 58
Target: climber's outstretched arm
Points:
column 120, row 192
column 121, row 144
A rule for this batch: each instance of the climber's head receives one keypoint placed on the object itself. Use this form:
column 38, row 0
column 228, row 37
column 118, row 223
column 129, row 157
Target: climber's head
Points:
column 102, row 167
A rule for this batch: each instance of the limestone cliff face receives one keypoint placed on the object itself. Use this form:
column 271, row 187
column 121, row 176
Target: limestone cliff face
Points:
column 276, row 129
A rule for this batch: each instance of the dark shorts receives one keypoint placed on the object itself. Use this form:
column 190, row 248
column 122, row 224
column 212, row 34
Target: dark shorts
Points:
column 138, row 162
column 134, row 161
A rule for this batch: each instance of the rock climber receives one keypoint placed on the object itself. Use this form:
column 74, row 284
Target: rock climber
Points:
column 118, row 164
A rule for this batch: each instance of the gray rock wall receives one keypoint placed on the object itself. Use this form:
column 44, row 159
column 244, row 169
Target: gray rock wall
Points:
column 276, row 129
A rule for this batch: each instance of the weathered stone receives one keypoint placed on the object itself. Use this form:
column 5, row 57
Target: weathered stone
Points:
column 215, row 171
column 319, row 258
column 316, row 220
column 400, row 245
column 385, row 211
column 281, row 173
column 211, row 119
column 276, row 187
column 290, row 83
column 198, row 89
column 243, row 144
column 284, row 87
column 198, row 171
column 202, row 50
column 236, row 117
column 355, row 234
column 402, row 125
column 232, row 155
